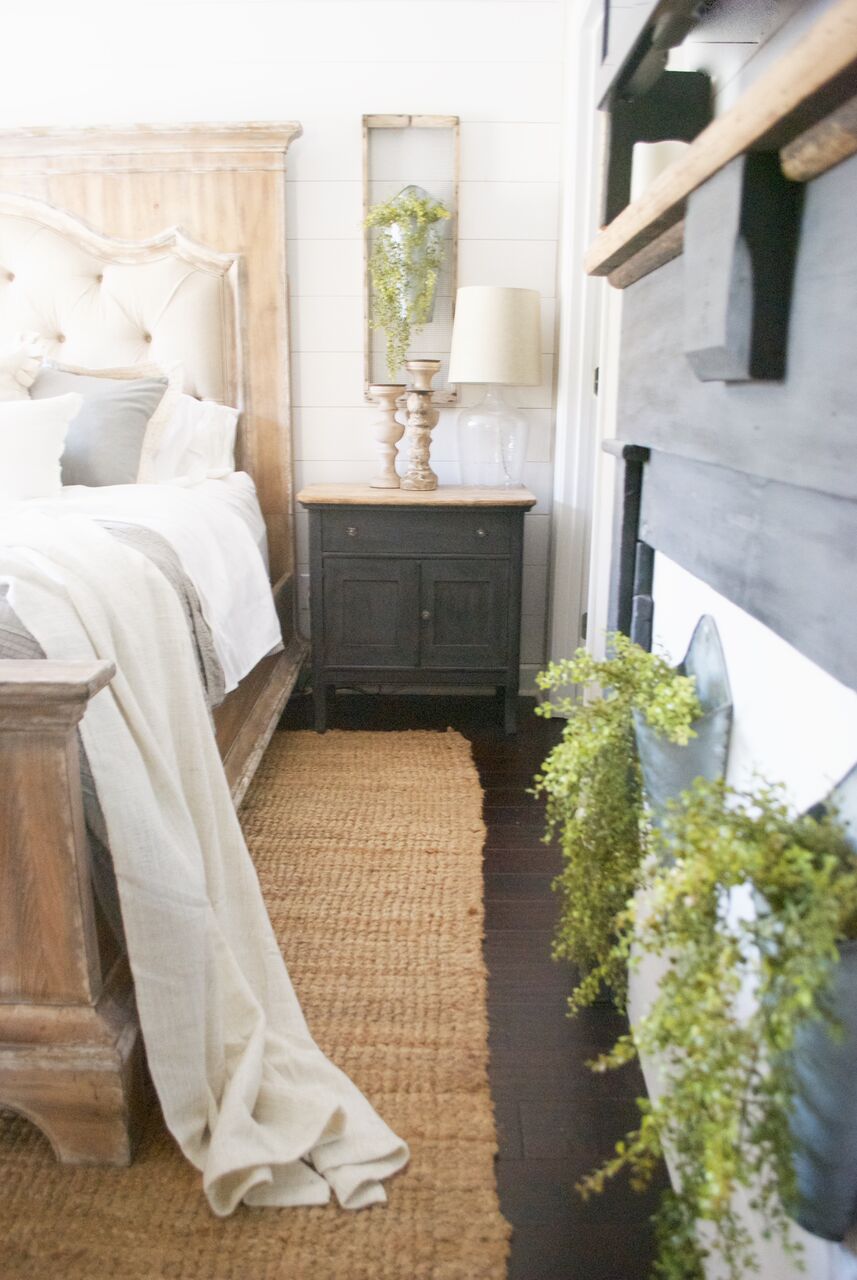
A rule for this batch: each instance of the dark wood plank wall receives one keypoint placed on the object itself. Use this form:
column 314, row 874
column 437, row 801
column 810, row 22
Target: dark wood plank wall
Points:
column 802, row 429
column 752, row 486
column 784, row 554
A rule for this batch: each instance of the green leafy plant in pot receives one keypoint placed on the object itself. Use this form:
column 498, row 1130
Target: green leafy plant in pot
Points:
column 747, row 913
column 824, row 1113
column 404, row 264
column 730, row 893
column 593, row 787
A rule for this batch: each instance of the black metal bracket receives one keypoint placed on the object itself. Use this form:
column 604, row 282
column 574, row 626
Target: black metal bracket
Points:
column 630, row 461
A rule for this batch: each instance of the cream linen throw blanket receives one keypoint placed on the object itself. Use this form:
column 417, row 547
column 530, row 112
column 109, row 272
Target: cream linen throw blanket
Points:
column 248, row 1095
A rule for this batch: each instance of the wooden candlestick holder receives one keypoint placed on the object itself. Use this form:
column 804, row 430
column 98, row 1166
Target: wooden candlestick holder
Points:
column 388, row 432
column 422, row 418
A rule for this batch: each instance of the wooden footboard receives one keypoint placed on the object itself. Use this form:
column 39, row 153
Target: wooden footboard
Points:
column 71, row 1054
column 71, row 1051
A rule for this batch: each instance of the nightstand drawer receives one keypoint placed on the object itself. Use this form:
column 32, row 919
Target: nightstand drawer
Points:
column 407, row 531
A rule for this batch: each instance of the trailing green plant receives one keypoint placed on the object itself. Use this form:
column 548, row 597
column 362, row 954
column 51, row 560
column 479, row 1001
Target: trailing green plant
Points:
column 746, row 913
column 404, row 265
column 594, row 793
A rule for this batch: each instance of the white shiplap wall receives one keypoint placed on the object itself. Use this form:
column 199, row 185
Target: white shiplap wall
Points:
column 495, row 63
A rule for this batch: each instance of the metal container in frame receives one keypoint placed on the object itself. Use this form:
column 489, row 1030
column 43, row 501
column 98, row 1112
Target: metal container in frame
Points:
column 413, row 153
column 824, row 1114
column 669, row 768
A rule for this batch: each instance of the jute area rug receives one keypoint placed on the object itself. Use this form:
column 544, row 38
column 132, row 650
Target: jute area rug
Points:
column 368, row 847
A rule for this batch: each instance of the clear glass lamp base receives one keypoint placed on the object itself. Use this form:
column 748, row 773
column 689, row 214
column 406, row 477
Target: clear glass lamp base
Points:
column 492, row 442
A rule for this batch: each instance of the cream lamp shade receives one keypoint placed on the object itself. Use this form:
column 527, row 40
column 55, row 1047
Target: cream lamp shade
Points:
column 495, row 337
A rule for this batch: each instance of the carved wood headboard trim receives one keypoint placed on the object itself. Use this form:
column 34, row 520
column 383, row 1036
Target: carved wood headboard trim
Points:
column 224, row 186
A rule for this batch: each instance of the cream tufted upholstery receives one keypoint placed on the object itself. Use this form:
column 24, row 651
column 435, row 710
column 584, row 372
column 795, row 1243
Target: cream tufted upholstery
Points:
column 101, row 302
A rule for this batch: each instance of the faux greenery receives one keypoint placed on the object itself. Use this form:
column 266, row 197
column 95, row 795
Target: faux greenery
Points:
column 592, row 783
column 743, row 906
column 747, row 917
column 404, row 265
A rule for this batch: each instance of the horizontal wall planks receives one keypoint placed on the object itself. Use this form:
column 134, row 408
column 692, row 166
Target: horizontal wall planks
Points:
column 802, row 429
column 803, row 87
column 783, row 554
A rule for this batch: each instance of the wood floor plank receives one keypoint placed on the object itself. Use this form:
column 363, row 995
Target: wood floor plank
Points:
column 532, row 913
column 517, row 885
column 542, row 861
column 560, row 1128
column 516, row 816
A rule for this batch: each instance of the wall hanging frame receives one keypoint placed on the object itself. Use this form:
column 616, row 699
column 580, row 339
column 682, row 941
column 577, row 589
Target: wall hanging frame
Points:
column 419, row 153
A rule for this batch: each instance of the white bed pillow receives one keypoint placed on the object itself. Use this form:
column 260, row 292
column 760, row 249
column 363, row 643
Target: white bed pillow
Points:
column 198, row 443
column 19, row 364
column 32, row 437
column 174, row 374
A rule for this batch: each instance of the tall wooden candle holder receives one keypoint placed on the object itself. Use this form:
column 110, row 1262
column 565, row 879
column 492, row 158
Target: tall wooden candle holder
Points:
column 388, row 432
column 422, row 418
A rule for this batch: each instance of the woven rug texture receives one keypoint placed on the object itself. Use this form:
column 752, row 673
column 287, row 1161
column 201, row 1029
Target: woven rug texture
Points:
column 368, row 847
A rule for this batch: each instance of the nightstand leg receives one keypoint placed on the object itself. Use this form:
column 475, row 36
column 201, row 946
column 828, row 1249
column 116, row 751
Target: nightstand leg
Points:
column 320, row 693
column 510, row 708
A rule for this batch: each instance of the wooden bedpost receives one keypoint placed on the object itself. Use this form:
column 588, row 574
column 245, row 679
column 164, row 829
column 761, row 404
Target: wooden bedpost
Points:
column 71, row 1055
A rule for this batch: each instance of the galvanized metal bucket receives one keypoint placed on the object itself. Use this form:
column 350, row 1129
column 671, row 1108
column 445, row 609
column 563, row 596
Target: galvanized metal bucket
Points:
column 669, row 768
column 417, row 258
column 824, row 1118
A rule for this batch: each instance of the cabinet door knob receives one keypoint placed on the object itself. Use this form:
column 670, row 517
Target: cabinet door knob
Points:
column 480, row 533
column 352, row 530
column 425, row 615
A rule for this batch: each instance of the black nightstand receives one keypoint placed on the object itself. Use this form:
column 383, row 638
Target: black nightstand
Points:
column 415, row 588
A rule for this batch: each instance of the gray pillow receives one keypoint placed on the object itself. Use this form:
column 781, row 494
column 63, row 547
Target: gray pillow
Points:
column 105, row 440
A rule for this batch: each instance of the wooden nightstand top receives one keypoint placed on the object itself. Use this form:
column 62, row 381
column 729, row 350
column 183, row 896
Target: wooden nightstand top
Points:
column 445, row 495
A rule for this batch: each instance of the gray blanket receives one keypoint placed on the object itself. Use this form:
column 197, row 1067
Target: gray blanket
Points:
column 17, row 642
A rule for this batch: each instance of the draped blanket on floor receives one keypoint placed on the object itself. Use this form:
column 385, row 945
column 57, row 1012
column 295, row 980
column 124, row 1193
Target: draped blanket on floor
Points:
column 246, row 1092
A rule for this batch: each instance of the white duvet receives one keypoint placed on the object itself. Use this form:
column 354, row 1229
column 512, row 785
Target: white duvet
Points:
column 217, row 531
column 247, row 1094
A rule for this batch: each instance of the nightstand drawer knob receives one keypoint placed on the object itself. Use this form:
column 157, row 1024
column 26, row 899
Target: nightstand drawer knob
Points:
column 480, row 533
column 425, row 615
column 352, row 531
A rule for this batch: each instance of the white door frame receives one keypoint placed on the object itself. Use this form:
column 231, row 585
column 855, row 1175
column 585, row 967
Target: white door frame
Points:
column 586, row 342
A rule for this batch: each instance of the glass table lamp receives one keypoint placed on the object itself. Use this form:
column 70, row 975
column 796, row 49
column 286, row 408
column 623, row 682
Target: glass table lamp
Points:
column 495, row 341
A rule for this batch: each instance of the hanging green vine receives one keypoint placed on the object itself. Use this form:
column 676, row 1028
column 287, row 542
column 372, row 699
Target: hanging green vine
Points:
column 594, row 793
column 726, row 1069
column 404, row 265
column 737, row 898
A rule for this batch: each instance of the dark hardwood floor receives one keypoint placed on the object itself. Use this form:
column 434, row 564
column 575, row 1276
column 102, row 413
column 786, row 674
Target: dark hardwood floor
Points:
column 555, row 1119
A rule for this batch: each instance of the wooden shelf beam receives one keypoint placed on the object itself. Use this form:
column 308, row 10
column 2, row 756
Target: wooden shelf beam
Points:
column 809, row 83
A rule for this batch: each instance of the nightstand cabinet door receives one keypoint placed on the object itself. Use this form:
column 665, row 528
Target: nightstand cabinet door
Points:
column 370, row 612
column 464, row 613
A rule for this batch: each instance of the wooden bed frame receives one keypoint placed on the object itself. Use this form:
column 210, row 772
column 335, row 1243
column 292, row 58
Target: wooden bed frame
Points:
column 71, row 1054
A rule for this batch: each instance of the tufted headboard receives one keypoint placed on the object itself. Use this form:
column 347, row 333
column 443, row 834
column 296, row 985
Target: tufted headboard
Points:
column 99, row 200
column 101, row 302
